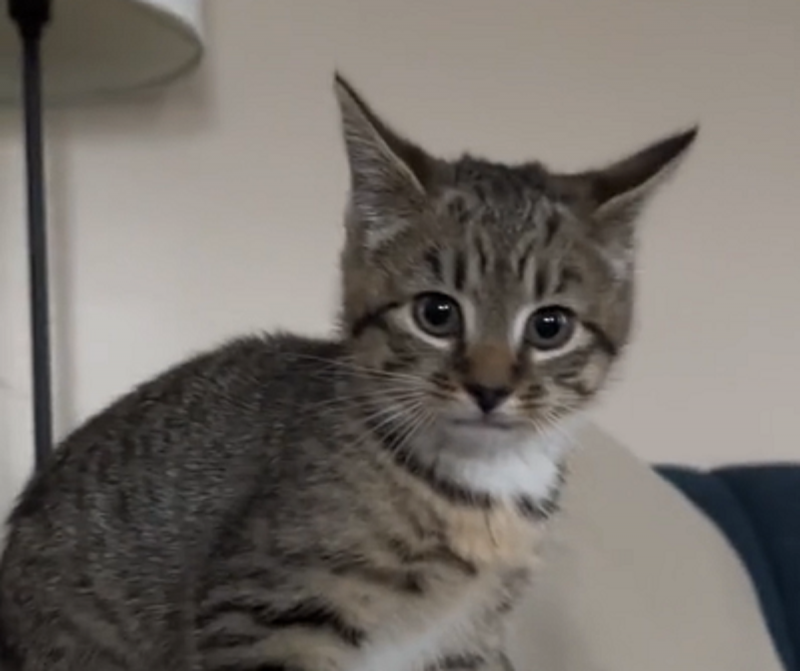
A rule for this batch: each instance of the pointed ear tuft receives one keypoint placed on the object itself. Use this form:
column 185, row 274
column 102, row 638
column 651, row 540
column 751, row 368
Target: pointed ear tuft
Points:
column 619, row 190
column 389, row 175
column 614, row 196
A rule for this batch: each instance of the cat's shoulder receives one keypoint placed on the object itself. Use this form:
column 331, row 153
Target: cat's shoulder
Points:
column 252, row 359
column 239, row 374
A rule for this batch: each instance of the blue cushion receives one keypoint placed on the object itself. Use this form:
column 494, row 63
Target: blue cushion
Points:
column 757, row 507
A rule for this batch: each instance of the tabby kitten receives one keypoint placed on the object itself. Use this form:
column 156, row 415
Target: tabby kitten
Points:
column 367, row 503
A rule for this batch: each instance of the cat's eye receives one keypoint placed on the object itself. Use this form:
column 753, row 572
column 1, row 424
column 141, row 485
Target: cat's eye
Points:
column 438, row 315
column 550, row 328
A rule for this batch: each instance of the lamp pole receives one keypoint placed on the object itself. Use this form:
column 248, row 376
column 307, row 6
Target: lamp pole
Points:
column 31, row 18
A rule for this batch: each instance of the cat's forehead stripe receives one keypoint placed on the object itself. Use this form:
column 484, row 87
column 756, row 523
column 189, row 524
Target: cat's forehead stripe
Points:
column 540, row 283
column 480, row 246
column 433, row 259
column 459, row 270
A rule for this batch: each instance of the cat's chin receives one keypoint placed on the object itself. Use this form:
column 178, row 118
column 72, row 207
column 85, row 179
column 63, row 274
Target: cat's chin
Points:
column 485, row 438
column 503, row 462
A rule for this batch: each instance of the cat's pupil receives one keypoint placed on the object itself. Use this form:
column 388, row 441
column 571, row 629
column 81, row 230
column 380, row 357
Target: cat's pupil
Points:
column 549, row 325
column 438, row 315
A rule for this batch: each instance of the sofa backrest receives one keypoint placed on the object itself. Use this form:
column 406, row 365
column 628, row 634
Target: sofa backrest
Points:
column 636, row 578
column 757, row 508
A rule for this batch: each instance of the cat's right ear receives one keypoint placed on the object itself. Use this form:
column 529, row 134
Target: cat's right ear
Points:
column 388, row 173
column 616, row 193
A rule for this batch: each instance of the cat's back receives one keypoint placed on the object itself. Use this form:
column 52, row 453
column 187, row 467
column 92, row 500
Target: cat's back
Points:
column 151, row 475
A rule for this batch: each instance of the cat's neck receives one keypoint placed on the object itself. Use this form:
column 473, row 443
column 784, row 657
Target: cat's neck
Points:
column 518, row 468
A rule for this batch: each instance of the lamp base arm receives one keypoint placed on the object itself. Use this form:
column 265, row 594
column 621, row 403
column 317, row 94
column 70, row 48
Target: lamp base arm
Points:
column 31, row 17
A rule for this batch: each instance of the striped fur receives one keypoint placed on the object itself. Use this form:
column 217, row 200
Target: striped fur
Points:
column 370, row 502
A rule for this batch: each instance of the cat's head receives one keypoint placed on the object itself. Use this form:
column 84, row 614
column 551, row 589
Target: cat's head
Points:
column 485, row 303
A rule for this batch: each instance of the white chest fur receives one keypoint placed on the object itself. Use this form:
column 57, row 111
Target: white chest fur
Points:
column 502, row 464
column 409, row 646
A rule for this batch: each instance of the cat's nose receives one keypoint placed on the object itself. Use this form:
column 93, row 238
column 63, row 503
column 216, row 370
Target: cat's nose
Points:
column 487, row 398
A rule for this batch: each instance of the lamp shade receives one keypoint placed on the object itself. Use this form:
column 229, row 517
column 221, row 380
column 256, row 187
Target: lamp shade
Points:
column 98, row 48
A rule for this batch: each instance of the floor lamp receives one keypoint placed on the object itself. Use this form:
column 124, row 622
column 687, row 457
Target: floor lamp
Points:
column 68, row 51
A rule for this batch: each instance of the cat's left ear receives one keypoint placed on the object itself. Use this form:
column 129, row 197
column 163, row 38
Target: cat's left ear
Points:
column 389, row 174
column 615, row 195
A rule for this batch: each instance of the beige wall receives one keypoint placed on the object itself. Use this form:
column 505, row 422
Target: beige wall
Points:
column 215, row 209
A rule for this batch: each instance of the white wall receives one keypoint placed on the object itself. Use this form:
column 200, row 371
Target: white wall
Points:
column 215, row 209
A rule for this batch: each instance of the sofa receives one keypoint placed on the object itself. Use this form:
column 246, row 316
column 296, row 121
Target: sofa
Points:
column 666, row 568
